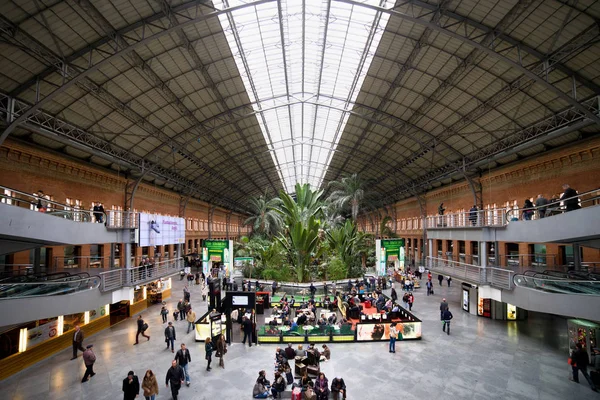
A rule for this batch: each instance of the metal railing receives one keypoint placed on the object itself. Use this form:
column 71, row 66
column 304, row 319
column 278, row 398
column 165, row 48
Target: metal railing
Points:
column 467, row 219
column 30, row 201
column 585, row 199
column 61, row 286
column 498, row 277
column 558, row 285
column 80, row 262
column 118, row 219
column 117, row 278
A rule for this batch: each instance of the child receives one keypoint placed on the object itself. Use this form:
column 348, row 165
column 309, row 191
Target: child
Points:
column 175, row 314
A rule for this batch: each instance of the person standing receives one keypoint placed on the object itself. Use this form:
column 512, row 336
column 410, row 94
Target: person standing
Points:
column 77, row 341
column 183, row 358
column 570, row 198
column 541, row 204
column 443, row 307
column 191, row 319
column 527, row 210
column 273, row 288
column 338, row 387
column 170, row 336
column 208, row 348
column 131, row 386
column 89, row 358
column 175, row 377
column 141, row 328
column 221, row 350
column 449, row 280
column 181, row 309
column 411, row 300
column 446, row 317
column 394, row 295
column 204, row 291
column 247, row 328
column 473, row 215
column 150, row 385
column 580, row 362
column 393, row 337
column 429, row 286
column 186, row 293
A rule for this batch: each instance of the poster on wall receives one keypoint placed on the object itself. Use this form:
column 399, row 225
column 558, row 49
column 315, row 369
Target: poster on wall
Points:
column 484, row 307
column 42, row 333
column 465, row 300
column 511, row 312
column 160, row 230
column 97, row 313
column 368, row 332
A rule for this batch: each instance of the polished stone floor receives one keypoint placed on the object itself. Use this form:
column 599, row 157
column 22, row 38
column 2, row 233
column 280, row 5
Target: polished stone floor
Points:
column 481, row 359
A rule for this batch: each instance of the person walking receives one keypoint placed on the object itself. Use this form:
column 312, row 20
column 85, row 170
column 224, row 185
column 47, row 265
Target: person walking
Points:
column 208, row 348
column 579, row 362
column 449, row 280
column 221, row 350
column 411, row 300
column 443, row 307
column 181, row 309
column 440, row 278
column 89, row 358
column 247, row 328
column 273, row 288
column 131, row 386
column 141, row 328
column 170, row 336
column 183, row 358
column 393, row 337
column 164, row 313
column 473, row 215
column 446, row 317
column 429, row 286
column 77, row 341
column 175, row 377
column 527, row 210
column 191, row 319
column 394, row 295
column 204, row 291
column 186, row 293
column 150, row 385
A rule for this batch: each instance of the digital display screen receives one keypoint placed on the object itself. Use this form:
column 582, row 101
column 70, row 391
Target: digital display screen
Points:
column 239, row 300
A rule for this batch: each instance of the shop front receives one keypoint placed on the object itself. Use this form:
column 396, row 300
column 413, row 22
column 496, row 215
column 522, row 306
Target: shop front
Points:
column 389, row 252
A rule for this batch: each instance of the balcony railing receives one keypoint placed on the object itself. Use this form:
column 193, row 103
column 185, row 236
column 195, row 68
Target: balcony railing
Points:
column 468, row 219
column 585, row 199
column 498, row 277
column 116, row 278
column 558, row 285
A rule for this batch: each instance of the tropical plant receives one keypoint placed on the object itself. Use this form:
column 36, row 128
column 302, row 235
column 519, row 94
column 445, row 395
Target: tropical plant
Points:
column 265, row 218
column 341, row 240
column 348, row 192
column 336, row 269
column 384, row 228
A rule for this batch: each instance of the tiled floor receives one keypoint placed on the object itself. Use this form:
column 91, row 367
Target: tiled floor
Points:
column 482, row 359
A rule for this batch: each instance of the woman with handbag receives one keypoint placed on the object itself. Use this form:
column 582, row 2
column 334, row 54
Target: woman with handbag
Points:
column 208, row 348
column 221, row 350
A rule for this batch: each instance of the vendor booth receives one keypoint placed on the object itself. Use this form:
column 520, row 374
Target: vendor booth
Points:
column 211, row 324
column 389, row 251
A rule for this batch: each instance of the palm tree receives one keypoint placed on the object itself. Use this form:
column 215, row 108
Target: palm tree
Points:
column 349, row 192
column 384, row 229
column 265, row 218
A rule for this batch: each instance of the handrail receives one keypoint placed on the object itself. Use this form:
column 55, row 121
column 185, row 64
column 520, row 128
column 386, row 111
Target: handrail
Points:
column 57, row 209
column 47, row 288
column 555, row 206
column 558, row 285
column 468, row 219
column 498, row 277
column 117, row 278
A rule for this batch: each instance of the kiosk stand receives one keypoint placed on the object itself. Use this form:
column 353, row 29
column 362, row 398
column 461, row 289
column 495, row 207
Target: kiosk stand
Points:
column 237, row 301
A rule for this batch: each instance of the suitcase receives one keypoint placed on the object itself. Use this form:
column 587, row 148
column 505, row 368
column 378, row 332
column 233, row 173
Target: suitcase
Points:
column 297, row 394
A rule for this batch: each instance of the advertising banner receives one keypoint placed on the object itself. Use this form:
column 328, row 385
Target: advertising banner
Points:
column 160, row 230
column 368, row 332
column 389, row 251
column 42, row 333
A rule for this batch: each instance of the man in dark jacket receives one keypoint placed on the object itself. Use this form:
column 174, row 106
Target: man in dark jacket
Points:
column 290, row 353
column 170, row 336
column 446, row 317
column 247, row 327
column 183, row 358
column 443, row 307
column 570, row 198
column 131, row 386
column 141, row 328
column 580, row 362
column 77, row 341
column 338, row 387
column 175, row 377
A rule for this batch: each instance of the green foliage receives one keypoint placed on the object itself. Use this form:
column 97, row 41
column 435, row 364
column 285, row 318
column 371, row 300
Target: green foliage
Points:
column 265, row 218
column 336, row 269
column 384, row 229
column 341, row 240
column 348, row 193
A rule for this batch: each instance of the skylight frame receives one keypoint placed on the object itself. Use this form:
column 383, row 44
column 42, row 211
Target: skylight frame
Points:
column 302, row 49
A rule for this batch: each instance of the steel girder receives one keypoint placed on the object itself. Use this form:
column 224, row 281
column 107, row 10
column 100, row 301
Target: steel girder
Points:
column 203, row 70
column 76, row 75
column 566, row 120
column 157, row 82
column 52, row 127
column 538, row 73
column 19, row 38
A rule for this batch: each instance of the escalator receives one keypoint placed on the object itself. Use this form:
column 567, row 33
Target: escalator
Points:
column 549, row 282
column 48, row 285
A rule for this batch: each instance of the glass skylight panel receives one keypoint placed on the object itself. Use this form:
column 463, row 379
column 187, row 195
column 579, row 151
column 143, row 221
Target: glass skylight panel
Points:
column 303, row 71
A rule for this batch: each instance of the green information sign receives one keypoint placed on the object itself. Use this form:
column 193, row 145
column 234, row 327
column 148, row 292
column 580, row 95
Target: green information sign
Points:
column 392, row 247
